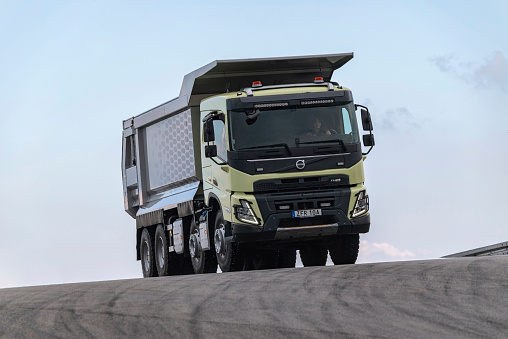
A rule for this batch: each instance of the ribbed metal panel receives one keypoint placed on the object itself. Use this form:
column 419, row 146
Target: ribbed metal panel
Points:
column 150, row 218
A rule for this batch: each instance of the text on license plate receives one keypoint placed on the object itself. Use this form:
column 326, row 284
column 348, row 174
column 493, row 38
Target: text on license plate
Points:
column 306, row 213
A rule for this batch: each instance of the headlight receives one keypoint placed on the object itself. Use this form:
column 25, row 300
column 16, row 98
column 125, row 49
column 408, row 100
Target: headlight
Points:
column 245, row 213
column 361, row 204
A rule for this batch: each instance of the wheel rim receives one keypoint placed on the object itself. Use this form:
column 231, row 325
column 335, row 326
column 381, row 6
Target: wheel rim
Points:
column 194, row 246
column 160, row 251
column 220, row 246
column 146, row 256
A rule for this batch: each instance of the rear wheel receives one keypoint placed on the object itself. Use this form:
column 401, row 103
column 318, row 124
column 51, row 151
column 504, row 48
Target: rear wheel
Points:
column 202, row 261
column 166, row 263
column 228, row 253
column 344, row 249
column 147, row 255
column 314, row 255
column 161, row 251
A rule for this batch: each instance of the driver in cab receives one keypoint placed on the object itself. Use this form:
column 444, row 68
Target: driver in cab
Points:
column 315, row 127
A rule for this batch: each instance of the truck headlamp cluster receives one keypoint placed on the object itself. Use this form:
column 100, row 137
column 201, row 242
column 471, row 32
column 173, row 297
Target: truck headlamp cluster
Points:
column 317, row 102
column 272, row 104
column 361, row 204
column 245, row 213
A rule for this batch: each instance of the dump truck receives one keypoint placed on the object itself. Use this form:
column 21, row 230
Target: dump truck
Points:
column 255, row 160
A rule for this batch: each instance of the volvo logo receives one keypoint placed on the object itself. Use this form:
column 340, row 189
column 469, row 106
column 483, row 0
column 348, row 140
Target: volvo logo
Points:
column 300, row 164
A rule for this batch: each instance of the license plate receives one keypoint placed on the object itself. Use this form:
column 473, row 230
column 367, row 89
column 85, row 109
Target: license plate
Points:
column 306, row 213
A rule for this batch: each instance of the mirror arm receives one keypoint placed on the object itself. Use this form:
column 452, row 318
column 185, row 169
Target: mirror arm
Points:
column 372, row 146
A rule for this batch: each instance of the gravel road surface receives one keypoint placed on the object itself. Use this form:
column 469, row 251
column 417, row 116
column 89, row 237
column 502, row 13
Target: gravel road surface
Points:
column 445, row 298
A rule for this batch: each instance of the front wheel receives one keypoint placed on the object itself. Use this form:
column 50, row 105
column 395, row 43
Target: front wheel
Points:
column 147, row 255
column 202, row 261
column 314, row 255
column 228, row 253
column 344, row 249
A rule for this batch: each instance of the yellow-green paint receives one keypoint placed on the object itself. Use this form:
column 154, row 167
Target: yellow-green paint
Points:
column 243, row 182
column 231, row 185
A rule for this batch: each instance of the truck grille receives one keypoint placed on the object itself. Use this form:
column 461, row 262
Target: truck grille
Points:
column 291, row 184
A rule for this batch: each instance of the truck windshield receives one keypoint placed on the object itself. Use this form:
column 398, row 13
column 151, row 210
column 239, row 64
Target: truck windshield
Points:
column 293, row 127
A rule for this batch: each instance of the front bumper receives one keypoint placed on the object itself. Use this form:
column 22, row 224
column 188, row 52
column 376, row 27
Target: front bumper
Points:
column 271, row 232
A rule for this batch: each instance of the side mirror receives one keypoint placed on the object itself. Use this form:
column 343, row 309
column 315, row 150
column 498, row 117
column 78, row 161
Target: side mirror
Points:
column 210, row 151
column 368, row 140
column 366, row 120
column 208, row 133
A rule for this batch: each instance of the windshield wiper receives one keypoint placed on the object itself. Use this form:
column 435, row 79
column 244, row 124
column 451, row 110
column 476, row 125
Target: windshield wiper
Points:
column 269, row 146
column 323, row 142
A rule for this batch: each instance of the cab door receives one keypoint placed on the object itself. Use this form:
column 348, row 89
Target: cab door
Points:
column 215, row 168
column 220, row 169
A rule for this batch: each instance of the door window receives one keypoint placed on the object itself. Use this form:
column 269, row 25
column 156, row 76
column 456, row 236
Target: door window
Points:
column 220, row 139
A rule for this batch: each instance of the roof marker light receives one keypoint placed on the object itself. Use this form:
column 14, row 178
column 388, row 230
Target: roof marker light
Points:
column 256, row 84
column 317, row 102
column 318, row 79
column 272, row 104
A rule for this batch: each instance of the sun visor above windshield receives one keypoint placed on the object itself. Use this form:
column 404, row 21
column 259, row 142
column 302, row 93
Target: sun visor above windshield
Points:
column 292, row 100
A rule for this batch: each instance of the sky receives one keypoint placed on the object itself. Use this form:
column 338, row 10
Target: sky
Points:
column 434, row 75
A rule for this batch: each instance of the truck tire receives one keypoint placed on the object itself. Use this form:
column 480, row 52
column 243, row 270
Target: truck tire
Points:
column 287, row 259
column 344, row 249
column 202, row 261
column 314, row 255
column 147, row 255
column 228, row 253
column 164, row 260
